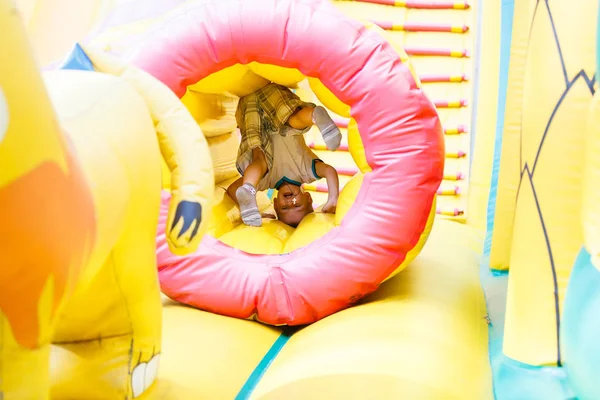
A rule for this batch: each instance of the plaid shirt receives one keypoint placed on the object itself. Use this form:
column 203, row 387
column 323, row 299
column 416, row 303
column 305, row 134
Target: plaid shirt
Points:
column 261, row 114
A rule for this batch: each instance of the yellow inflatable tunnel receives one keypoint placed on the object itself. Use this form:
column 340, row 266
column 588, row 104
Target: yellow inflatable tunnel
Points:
column 287, row 276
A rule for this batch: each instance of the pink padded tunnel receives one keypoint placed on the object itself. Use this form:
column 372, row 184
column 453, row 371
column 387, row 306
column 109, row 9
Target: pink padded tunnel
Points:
column 399, row 126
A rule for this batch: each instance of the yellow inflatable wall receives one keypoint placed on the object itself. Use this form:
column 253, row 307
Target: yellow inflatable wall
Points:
column 114, row 297
column 80, row 271
column 48, row 221
column 79, row 205
column 487, row 44
column 546, row 238
column 440, row 44
column 541, row 342
column 509, row 172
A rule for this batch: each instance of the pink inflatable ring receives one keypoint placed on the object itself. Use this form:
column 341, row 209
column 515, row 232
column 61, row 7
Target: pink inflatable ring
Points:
column 403, row 145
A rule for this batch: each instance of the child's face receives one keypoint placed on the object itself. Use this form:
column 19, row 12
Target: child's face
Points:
column 292, row 204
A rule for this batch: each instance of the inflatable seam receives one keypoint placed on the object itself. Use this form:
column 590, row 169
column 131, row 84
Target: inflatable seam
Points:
column 285, row 309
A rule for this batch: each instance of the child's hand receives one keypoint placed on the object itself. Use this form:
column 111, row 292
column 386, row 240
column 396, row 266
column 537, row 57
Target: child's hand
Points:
column 268, row 215
column 333, row 186
column 329, row 207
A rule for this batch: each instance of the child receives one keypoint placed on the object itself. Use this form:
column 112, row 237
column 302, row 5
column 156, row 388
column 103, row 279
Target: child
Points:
column 274, row 155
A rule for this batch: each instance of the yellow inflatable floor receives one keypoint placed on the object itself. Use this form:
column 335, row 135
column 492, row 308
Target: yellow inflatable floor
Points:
column 423, row 335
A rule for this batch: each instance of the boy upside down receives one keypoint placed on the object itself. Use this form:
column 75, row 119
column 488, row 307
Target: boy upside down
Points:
column 274, row 155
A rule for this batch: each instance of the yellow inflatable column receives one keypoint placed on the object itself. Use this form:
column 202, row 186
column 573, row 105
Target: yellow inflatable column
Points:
column 47, row 218
column 184, row 149
column 485, row 128
column 500, row 234
column 547, row 235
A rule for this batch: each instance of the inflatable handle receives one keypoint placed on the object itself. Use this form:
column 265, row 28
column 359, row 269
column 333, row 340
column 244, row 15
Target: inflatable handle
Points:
column 347, row 171
column 432, row 78
column 449, row 191
column 456, row 154
column 458, row 176
column 450, row 103
column 421, row 27
column 456, row 131
column 426, row 51
column 454, row 212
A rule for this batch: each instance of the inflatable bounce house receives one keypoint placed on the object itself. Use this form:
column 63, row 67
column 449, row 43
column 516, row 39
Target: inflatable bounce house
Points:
column 462, row 261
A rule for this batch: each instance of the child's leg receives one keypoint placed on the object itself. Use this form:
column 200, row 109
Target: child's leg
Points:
column 302, row 118
column 246, row 194
column 306, row 116
column 257, row 168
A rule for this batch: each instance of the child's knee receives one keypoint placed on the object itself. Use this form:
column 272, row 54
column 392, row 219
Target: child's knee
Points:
column 302, row 118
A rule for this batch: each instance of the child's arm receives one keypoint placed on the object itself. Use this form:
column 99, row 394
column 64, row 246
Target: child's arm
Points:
column 333, row 185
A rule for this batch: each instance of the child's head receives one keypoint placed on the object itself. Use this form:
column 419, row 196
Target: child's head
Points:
column 292, row 204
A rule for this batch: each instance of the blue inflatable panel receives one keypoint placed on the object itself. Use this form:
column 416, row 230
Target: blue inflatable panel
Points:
column 78, row 60
column 514, row 380
column 580, row 328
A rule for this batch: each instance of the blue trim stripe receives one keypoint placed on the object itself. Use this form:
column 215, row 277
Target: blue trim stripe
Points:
column 581, row 327
column 598, row 45
column 507, row 14
column 264, row 364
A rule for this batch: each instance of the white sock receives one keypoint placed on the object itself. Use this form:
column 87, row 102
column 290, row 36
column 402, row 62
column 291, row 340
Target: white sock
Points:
column 329, row 130
column 246, row 197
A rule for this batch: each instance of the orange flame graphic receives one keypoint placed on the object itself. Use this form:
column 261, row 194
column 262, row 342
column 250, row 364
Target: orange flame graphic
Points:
column 47, row 228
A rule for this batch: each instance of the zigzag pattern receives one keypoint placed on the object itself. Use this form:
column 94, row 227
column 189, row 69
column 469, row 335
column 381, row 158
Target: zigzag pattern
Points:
column 530, row 171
